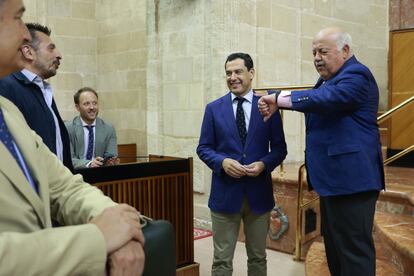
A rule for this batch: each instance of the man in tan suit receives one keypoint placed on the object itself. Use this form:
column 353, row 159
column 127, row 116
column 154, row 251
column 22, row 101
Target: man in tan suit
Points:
column 36, row 187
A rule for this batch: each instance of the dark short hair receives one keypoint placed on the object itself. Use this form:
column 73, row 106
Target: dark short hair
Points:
column 80, row 91
column 248, row 62
column 36, row 27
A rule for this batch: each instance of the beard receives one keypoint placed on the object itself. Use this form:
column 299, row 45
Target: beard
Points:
column 45, row 71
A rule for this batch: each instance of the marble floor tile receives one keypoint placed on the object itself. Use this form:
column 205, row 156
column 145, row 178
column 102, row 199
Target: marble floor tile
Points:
column 278, row 264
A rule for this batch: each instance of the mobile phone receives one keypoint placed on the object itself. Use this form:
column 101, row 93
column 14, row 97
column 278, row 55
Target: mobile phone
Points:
column 107, row 156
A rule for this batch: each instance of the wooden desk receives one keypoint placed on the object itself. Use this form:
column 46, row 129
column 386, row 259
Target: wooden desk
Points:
column 159, row 187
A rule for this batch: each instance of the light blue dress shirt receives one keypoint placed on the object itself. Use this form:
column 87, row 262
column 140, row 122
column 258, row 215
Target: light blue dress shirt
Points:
column 48, row 96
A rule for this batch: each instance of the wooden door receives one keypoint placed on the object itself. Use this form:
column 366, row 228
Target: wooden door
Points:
column 401, row 87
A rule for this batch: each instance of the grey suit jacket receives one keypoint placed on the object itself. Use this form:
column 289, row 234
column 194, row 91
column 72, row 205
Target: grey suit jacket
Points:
column 29, row 244
column 105, row 140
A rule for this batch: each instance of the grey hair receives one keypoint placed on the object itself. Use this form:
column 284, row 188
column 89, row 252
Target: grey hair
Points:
column 343, row 39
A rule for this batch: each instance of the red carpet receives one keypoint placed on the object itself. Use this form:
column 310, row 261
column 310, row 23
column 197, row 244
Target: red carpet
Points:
column 201, row 233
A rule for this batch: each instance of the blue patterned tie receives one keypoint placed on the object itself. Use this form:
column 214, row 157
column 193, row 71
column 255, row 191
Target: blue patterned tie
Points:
column 89, row 152
column 240, row 120
column 8, row 141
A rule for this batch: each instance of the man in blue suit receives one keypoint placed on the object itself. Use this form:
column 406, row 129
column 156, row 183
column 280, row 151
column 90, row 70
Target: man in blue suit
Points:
column 343, row 151
column 235, row 143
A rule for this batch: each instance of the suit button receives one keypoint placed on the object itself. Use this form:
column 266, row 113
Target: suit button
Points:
column 244, row 155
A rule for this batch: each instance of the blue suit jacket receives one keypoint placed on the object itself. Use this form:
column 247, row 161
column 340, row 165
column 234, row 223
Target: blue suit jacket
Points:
column 343, row 150
column 28, row 97
column 220, row 139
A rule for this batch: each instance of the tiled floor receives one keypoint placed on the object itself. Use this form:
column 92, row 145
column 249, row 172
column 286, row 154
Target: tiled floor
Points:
column 278, row 264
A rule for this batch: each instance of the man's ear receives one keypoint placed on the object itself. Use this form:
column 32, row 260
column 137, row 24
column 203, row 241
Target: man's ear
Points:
column 251, row 71
column 27, row 51
column 77, row 107
column 345, row 51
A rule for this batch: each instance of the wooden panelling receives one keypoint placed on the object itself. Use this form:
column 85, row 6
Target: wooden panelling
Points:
column 402, row 124
column 157, row 195
column 401, row 84
column 190, row 270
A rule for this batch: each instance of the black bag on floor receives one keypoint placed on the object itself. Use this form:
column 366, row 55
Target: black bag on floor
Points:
column 159, row 247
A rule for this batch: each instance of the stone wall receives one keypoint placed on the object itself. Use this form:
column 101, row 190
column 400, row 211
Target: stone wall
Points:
column 122, row 66
column 103, row 43
column 177, row 78
column 74, row 31
column 401, row 14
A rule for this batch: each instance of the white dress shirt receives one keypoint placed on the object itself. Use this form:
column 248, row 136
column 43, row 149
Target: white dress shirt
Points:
column 247, row 106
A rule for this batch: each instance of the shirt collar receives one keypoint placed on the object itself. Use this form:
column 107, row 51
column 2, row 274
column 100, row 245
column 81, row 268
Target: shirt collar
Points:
column 248, row 96
column 85, row 124
column 29, row 75
column 32, row 77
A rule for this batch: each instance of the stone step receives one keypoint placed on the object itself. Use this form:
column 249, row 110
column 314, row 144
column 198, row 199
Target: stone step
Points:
column 316, row 264
column 398, row 197
column 397, row 232
column 397, row 200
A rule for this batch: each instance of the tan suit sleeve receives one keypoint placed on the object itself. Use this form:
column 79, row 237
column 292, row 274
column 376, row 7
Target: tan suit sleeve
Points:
column 28, row 244
column 72, row 201
column 73, row 250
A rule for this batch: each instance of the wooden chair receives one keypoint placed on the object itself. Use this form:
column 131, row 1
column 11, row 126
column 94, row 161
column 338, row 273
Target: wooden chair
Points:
column 127, row 153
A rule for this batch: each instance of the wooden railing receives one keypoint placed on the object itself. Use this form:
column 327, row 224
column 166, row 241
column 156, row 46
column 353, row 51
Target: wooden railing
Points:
column 388, row 115
column 263, row 91
column 300, row 207
column 393, row 110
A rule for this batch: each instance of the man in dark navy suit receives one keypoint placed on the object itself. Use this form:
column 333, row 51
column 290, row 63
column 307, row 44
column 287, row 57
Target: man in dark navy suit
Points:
column 242, row 151
column 32, row 94
column 343, row 151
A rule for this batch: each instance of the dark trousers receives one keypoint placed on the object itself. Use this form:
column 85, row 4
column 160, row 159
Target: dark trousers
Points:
column 346, row 226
